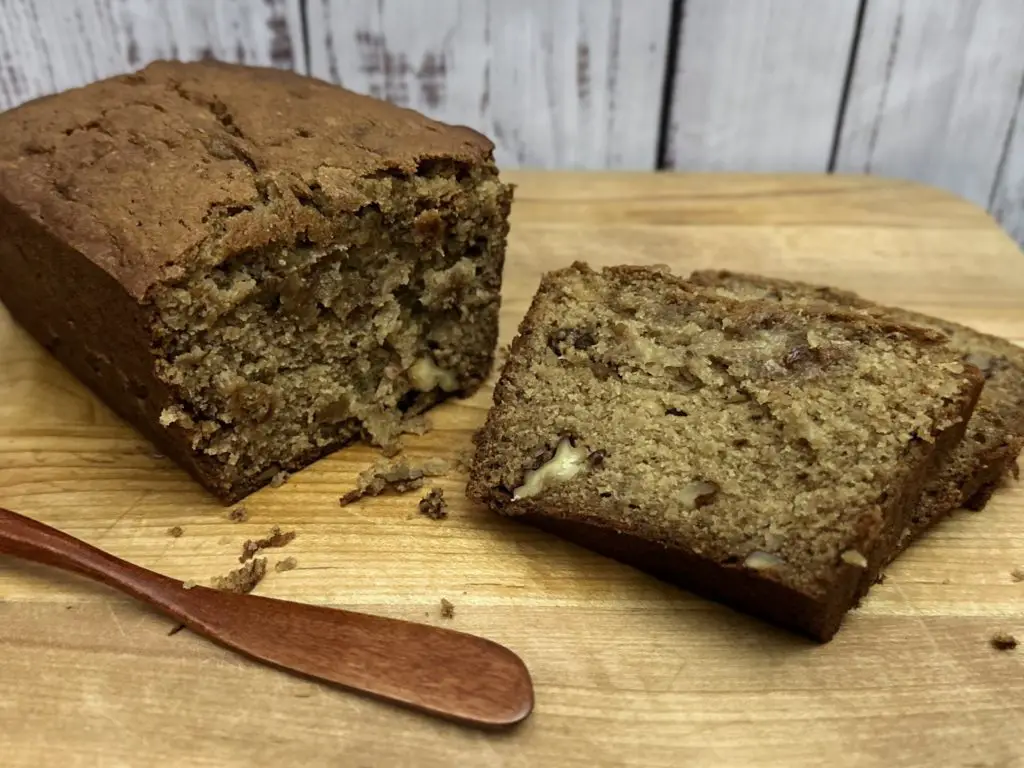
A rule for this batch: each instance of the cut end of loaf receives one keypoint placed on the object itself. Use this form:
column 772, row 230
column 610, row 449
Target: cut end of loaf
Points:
column 279, row 354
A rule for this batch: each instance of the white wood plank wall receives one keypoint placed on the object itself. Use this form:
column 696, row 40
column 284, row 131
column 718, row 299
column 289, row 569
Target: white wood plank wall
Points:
column 758, row 85
column 555, row 83
column 922, row 89
column 936, row 88
column 1007, row 203
column 50, row 45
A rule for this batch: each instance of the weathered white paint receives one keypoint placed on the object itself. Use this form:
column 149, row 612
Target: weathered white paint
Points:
column 1007, row 203
column 934, row 90
column 758, row 84
column 570, row 84
column 50, row 45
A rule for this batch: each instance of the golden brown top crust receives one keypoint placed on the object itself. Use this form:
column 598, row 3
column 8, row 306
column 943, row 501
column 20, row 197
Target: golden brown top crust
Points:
column 995, row 433
column 138, row 172
column 749, row 286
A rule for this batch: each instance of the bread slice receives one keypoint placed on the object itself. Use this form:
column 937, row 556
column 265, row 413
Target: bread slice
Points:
column 764, row 457
column 995, row 433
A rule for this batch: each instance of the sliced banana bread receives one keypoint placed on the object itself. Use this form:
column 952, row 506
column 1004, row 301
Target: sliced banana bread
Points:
column 765, row 457
column 995, row 433
column 251, row 266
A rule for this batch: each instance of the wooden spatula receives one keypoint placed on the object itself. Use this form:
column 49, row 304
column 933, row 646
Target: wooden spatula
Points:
column 435, row 670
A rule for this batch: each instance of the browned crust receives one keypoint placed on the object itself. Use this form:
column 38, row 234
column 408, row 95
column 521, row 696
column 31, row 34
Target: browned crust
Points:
column 970, row 485
column 817, row 616
column 752, row 311
column 731, row 583
column 83, row 317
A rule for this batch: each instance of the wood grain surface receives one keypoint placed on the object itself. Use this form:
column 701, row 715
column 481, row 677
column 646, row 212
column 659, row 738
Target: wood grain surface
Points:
column 436, row 670
column 628, row 671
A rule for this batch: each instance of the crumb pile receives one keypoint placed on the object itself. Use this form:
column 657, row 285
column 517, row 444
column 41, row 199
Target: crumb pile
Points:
column 242, row 580
column 276, row 538
column 433, row 505
column 394, row 476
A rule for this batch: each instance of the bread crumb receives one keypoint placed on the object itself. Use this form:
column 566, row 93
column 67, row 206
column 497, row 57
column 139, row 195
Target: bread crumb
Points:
column 288, row 564
column 279, row 479
column 239, row 514
column 188, row 584
column 447, row 608
column 243, row 580
column 433, row 505
column 435, row 467
column 176, row 531
column 464, row 460
column 501, row 357
column 417, row 425
column 277, row 538
column 397, row 476
column 1003, row 641
column 1017, row 574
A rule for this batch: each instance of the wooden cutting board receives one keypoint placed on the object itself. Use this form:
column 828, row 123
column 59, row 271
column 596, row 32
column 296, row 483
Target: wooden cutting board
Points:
column 627, row 670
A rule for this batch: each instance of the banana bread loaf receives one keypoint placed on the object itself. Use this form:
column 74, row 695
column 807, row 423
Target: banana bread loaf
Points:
column 251, row 266
column 995, row 433
column 762, row 456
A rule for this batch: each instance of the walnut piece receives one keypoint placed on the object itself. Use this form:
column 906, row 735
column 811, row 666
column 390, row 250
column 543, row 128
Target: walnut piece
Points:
column 697, row 494
column 425, row 375
column 568, row 461
column 853, row 557
column 762, row 561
